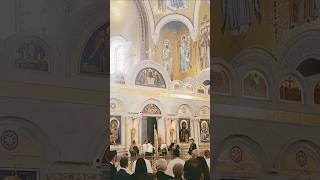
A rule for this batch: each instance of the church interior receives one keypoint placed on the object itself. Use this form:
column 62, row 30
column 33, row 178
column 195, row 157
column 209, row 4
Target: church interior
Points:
column 260, row 120
column 266, row 77
column 160, row 75
column 157, row 72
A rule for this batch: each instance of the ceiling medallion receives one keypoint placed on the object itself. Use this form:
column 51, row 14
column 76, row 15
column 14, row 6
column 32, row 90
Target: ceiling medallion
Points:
column 236, row 154
column 9, row 140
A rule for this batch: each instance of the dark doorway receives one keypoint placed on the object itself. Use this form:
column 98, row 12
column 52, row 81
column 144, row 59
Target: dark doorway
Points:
column 148, row 124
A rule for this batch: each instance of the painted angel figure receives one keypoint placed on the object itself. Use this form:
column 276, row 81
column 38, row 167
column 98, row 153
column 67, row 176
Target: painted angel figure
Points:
column 184, row 52
column 99, row 50
column 204, row 47
column 166, row 57
column 238, row 14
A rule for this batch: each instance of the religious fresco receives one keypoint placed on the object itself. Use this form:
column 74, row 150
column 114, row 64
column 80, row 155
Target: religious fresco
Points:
column 184, row 130
column 184, row 49
column 115, row 130
column 95, row 56
column 151, row 109
column 242, row 24
column 161, row 8
column 184, row 111
column 254, row 85
column 174, row 5
column 175, row 50
column 303, row 11
column 290, row 89
column 31, row 55
column 238, row 15
column 180, row 54
column 204, row 130
column 204, row 44
column 317, row 94
column 150, row 77
column 167, row 57
column 221, row 79
column 177, row 4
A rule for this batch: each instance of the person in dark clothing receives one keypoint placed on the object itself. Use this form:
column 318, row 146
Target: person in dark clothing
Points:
column 174, row 146
column 110, row 161
column 134, row 150
column 192, row 147
column 204, row 167
column 123, row 173
column 147, row 176
column 178, row 171
column 140, row 170
column 192, row 170
column 161, row 166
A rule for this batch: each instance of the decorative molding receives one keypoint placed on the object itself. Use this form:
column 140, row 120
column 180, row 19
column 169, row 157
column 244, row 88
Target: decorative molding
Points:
column 236, row 154
column 151, row 109
column 9, row 139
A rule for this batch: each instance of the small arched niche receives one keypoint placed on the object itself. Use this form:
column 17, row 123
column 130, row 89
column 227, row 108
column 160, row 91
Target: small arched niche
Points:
column 290, row 89
column 150, row 77
column 255, row 85
column 221, row 79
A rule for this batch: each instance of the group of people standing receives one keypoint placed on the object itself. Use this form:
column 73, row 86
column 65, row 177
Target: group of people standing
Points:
column 148, row 149
column 195, row 168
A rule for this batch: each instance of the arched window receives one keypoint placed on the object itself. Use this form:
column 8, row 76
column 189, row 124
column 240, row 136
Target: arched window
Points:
column 290, row 89
column 119, row 54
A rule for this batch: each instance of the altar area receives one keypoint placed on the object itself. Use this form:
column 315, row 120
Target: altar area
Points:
column 177, row 110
